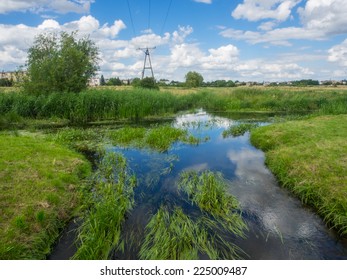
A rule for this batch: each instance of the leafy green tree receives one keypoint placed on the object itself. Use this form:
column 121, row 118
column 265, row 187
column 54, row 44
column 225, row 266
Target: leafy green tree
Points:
column 194, row 79
column 102, row 80
column 5, row 82
column 149, row 83
column 136, row 82
column 60, row 63
column 114, row 82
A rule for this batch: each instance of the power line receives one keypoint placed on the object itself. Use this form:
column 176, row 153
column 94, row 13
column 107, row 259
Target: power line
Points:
column 149, row 14
column 167, row 15
column 131, row 18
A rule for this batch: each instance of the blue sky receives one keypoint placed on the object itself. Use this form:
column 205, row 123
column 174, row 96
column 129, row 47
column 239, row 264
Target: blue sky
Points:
column 246, row 40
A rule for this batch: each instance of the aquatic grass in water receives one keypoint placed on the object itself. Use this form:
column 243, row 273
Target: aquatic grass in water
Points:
column 159, row 138
column 238, row 130
column 113, row 197
column 174, row 237
column 208, row 191
column 177, row 236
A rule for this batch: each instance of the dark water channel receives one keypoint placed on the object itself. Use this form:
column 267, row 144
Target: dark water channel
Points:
column 279, row 226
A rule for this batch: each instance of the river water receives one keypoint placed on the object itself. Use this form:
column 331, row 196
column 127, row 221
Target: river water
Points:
column 279, row 226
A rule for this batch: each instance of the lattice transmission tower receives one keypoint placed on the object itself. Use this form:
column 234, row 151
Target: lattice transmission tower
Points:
column 145, row 64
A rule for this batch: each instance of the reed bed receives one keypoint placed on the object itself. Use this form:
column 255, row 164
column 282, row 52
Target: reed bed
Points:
column 136, row 104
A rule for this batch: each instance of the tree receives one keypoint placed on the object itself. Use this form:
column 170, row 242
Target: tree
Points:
column 114, row 82
column 102, row 80
column 149, row 83
column 60, row 63
column 194, row 79
column 5, row 82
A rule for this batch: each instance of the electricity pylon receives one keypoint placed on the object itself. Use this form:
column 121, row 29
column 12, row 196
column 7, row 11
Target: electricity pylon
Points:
column 146, row 51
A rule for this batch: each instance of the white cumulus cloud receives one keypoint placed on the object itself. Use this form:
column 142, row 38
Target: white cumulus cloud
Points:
column 254, row 10
column 204, row 1
column 338, row 54
column 41, row 6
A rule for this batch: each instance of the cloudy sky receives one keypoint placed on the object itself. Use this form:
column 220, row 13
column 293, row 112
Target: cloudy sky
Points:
column 246, row 40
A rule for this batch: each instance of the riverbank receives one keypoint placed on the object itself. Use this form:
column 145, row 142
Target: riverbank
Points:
column 40, row 183
column 310, row 158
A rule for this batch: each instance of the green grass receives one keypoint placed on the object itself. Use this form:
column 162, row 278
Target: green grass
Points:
column 159, row 137
column 39, row 190
column 208, row 191
column 238, row 130
column 176, row 236
column 137, row 104
column 310, row 158
column 112, row 197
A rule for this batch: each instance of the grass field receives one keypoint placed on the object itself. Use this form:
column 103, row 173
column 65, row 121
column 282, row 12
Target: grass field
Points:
column 310, row 158
column 40, row 183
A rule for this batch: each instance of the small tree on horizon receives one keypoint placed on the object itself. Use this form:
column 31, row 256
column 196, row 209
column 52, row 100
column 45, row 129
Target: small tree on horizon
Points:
column 194, row 79
column 60, row 63
column 102, row 80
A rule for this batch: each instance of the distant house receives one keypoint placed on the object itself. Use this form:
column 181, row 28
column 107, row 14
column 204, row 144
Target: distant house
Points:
column 14, row 76
column 94, row 82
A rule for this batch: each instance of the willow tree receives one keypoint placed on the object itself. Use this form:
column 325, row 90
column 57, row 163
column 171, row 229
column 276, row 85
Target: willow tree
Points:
column 60, row 63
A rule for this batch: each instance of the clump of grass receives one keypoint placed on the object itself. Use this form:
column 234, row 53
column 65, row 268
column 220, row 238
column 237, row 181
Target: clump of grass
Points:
column 239, row 130
column 80, row 139
column 159, row 138
column 208, row 191
column 113, row 197
column 128, row 135
column 309, row 158
column 177, row 236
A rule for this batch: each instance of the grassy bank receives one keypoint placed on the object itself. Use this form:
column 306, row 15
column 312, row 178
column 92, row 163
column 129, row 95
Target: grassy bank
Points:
column 310, row 158
column 39, row 190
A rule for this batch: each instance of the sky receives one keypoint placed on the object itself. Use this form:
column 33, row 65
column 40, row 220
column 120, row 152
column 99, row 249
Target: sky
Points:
column 244, row 40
